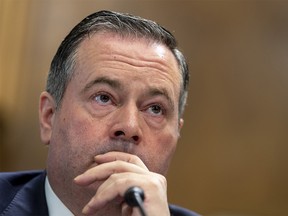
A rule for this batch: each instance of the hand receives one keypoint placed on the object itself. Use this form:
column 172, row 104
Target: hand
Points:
column 120, row 171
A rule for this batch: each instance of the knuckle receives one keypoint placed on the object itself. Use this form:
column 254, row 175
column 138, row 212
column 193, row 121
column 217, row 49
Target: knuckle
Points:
column 114, row 176
column 158, row 181
column 133, row 159
column 161, row 181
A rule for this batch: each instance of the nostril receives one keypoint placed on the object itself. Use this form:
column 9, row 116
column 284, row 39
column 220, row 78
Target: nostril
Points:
column 135, row 138
column 119, row 133
column 122, row 135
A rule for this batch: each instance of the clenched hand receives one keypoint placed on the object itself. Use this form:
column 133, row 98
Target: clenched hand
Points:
column 120, row 171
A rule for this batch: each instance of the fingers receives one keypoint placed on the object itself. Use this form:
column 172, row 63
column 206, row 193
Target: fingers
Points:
column 103, row 171
column 119, row 171
column 117, row 184
column 126, row 210
column 109, row 163
column 115, row 156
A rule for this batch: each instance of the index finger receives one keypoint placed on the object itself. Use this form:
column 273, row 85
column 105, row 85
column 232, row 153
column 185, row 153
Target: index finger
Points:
column 114, row 156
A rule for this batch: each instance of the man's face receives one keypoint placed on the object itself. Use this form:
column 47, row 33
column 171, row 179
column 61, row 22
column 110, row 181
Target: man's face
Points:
column 122, row 97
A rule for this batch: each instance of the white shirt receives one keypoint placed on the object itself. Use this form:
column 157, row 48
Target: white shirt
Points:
column 55, row 205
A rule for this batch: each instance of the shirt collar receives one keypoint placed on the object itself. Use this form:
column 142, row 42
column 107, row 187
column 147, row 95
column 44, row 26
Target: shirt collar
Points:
column 55, row 205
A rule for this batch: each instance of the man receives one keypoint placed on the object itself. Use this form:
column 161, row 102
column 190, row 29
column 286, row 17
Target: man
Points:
column 111, row 116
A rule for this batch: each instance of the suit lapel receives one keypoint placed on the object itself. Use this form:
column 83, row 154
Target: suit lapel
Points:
column 30, row 200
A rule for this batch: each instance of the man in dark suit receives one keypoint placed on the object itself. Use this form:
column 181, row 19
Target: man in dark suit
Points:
column 23, row 194
column 111, row 116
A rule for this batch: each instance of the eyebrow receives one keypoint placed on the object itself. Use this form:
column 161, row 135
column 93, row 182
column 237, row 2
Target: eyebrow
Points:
column 161, row 92
column 103, row 80
column 117, row 85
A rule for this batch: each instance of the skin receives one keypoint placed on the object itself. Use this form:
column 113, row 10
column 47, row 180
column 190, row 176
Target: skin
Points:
column 117, row 126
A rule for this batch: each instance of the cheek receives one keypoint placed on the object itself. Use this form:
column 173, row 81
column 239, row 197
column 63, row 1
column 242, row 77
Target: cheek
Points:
column 160, row 152
column 79, row 128
column 75, row 140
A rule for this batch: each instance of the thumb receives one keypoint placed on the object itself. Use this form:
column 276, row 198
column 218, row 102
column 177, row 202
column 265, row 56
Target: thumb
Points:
column 126, row 210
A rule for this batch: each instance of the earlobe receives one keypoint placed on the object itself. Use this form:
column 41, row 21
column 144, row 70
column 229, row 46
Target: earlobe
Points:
column 180, row 125
column 47, row 108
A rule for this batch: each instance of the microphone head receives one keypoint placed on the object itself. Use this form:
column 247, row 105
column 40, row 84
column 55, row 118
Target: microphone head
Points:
column 132, row 196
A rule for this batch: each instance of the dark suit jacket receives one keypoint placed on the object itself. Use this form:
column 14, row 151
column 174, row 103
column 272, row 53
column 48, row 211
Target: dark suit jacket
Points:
column 23, row 194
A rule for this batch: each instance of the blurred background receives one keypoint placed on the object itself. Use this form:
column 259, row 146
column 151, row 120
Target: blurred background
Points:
column 232, row 155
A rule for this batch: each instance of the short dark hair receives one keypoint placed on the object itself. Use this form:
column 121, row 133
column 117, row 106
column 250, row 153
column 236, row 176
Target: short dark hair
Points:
column 62, row 66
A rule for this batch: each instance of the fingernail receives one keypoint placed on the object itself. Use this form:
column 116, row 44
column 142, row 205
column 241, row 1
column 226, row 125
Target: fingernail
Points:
column 99, row 155
column 86, row 210
column 77, row 178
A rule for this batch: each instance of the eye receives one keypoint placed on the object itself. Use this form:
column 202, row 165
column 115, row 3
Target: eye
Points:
column 103, row 99
column 155, row 110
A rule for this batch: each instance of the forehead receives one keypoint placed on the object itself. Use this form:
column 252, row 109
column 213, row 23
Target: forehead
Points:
column 109, row 50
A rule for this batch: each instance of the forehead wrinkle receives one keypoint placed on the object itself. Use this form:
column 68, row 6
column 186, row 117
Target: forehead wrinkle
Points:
column 156, row 65
column 158, row 62
column 159, row 58
column 141, row 61
column 103, row 80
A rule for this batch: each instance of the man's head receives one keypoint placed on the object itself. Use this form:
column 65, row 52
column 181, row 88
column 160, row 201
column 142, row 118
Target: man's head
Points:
column 62, row 67
column 117, row 84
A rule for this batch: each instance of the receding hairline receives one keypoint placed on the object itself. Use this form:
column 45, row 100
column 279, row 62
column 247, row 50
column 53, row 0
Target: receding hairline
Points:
column 124, row 35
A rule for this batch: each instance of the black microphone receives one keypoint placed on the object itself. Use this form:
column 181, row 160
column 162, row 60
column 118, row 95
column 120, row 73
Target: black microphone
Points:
column 134, row 197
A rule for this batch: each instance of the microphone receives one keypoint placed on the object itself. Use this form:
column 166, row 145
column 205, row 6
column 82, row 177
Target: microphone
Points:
column 134, row 197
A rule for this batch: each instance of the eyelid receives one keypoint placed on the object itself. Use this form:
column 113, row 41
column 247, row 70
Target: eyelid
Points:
column 163, row 108
column 103, row 93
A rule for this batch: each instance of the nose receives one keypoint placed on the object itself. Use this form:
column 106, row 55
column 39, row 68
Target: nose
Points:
column 126, row 125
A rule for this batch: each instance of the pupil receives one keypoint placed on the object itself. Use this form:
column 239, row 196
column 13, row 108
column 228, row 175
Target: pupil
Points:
column 104, row 98
column 156, row 109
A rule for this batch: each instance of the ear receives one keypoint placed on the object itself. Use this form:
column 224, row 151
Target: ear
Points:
column 180, row 125
column 47, row 108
